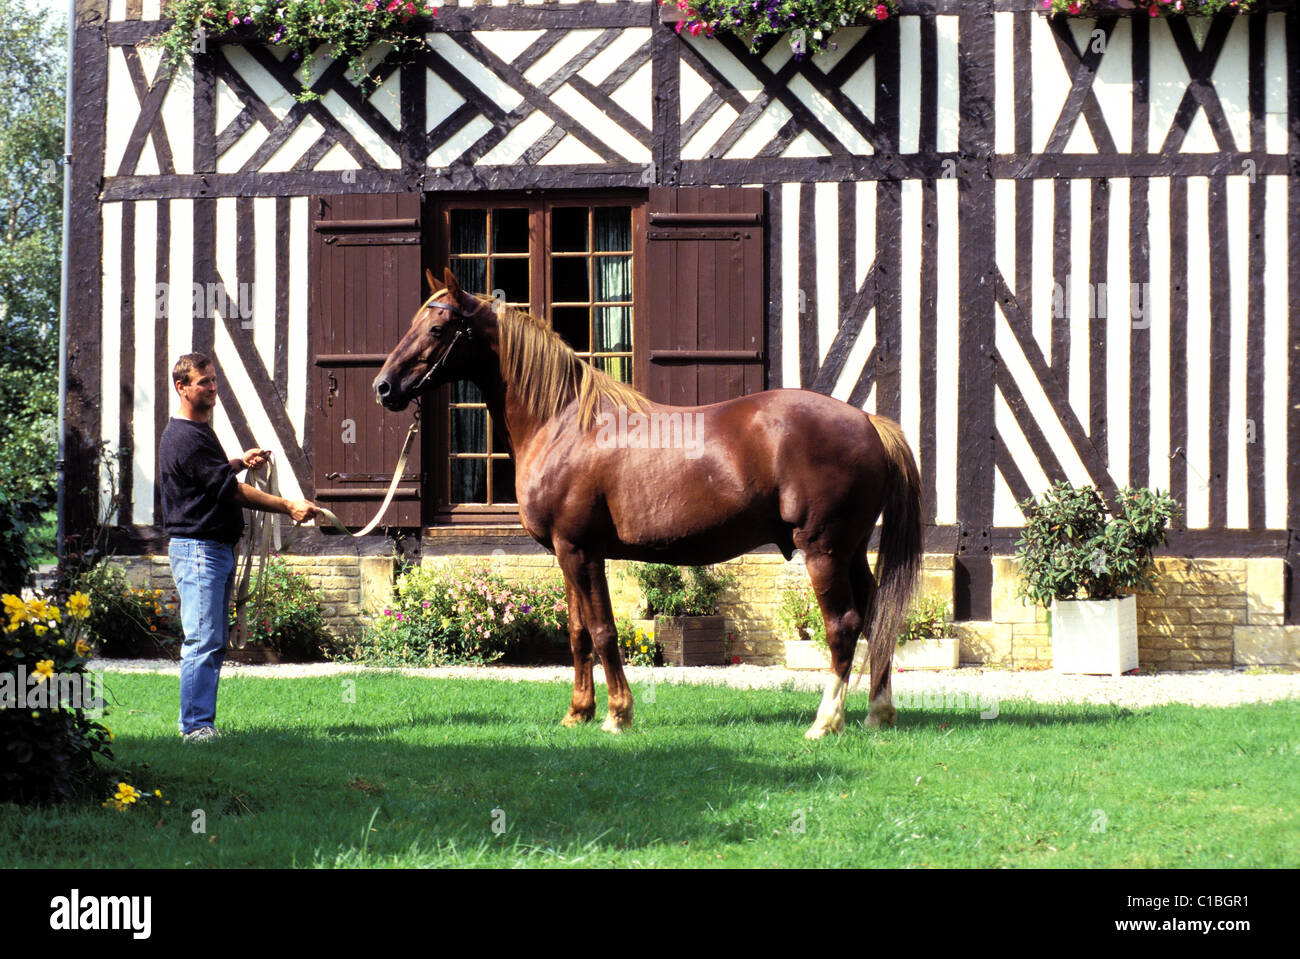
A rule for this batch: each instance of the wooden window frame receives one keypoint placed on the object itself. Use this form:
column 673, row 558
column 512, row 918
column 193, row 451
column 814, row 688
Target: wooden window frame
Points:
column 539, row 203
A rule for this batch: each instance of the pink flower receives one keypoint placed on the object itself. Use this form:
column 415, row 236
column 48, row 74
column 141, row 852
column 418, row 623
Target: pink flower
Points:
column 882, row 12
column 393, row 5
column 232, row 18
column 370, row 5
column 1074, row 8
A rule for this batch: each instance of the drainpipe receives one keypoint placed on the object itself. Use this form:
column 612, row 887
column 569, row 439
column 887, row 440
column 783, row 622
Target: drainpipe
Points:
column 60, row 472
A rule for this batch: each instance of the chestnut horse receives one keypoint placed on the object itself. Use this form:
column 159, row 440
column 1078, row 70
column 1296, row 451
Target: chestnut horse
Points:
column 789, row 467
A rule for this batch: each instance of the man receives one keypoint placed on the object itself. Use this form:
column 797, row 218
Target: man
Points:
column 203, row 503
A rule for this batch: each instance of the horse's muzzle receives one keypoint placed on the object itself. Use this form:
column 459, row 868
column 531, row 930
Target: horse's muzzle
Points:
column 388, row 397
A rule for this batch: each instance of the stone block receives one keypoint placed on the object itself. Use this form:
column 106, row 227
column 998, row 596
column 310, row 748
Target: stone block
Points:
column 1265, row 591
column 984, row 642
column 1266, row 646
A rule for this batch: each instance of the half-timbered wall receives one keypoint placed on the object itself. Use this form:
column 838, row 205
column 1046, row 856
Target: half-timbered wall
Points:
column 1051, row 249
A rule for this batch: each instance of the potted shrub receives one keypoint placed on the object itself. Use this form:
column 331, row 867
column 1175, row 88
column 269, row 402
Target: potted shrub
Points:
column 688, row 628
column 1085, row 567
column 927, row 641
column 805, row 630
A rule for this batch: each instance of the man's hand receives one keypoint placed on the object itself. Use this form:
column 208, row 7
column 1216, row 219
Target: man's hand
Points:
column 302, row 510
column 253, row 458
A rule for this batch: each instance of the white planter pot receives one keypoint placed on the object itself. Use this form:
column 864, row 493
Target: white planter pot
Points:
column 927, row 654
column 803, row 654
column 1095, row 636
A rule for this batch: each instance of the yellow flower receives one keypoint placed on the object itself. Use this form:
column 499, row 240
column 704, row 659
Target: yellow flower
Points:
column 79, row 606
column 126, row 793
column 83, row 648
column 17, row 610
column 63, row 642
column 44, row 669
column 41, row 630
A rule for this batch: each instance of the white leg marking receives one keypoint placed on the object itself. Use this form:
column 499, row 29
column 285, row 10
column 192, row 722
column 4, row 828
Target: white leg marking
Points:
column 830, row 714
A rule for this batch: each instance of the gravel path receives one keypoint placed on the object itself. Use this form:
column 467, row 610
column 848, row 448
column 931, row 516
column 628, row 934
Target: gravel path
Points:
column 957, row 688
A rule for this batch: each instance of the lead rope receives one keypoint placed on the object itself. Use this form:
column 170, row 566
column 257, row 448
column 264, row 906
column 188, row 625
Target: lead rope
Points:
column 263, row 532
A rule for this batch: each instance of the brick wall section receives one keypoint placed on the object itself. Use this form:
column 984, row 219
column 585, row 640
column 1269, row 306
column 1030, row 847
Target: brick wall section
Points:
column 1203, row 613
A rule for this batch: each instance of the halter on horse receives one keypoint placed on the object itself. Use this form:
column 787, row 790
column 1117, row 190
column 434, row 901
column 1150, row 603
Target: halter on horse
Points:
column 790, row 467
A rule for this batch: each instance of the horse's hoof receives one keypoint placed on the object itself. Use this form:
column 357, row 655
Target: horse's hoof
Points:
column 881, row 719
column 575, row 719
column 613, row 724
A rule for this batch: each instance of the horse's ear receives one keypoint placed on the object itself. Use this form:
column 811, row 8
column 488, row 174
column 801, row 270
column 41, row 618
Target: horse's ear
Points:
column 452, row 286
column 434, row 285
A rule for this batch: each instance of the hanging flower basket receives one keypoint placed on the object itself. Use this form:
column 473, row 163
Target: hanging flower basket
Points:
column 350, row 27
column 809, row 24
column 1154, row 8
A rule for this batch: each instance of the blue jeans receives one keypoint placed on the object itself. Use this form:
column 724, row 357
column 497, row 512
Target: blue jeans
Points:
column 204, row 571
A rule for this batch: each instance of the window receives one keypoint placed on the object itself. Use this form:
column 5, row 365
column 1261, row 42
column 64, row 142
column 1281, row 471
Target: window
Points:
column 572, row 259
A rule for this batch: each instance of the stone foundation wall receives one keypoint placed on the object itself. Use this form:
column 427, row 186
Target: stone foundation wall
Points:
column 349, row 585
column 1203, row 613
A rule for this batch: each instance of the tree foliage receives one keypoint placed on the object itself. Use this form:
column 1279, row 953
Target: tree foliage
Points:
column 33, row 68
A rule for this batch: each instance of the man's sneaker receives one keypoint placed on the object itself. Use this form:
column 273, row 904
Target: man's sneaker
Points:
column 201, row 735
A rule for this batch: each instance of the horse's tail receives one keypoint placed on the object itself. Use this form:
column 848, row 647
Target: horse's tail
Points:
column 899, row 561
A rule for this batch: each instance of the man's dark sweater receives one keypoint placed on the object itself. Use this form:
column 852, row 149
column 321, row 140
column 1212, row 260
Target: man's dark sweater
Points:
column 198, row 484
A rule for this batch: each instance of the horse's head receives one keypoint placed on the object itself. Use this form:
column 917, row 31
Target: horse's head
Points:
column 437, row 349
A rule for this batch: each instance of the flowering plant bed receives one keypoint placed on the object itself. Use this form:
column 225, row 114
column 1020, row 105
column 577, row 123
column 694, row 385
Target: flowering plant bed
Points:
column 47, row 708
column 350, row 27
column 445, row 614
column 809, row 23
column 283, row 619
column 1154, row 8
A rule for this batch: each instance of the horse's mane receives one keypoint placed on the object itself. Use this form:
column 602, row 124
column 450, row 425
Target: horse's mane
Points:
column 547, row 373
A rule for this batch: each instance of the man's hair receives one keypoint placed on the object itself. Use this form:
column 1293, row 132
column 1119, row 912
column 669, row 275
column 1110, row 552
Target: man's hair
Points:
column 187, row 363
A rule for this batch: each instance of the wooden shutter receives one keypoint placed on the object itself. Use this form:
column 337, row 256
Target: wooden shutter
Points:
column 707, row 291
column 366, row 287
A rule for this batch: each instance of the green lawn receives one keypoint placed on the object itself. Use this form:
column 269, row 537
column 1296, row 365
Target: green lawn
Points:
column 419, row 772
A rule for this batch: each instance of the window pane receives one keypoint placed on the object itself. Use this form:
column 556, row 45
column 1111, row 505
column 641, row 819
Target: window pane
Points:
column 503, row 481
column 463, row 391
column 468, row 481
column 613, row 228
column 613, row 278
column 509, row 231
column 511, row 276
column 571, row 322
column 468, row 430
column 569, row 280
column 499, row 442
column 468, row 231
column 472, row 274
column 619, row 367
column 613, row 329
column 569, row 229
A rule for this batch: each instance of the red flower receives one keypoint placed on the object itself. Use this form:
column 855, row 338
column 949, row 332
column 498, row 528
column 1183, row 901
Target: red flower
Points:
column 1074, row 8
column 1154, row 11
column 882, row 12
column 232, row 18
